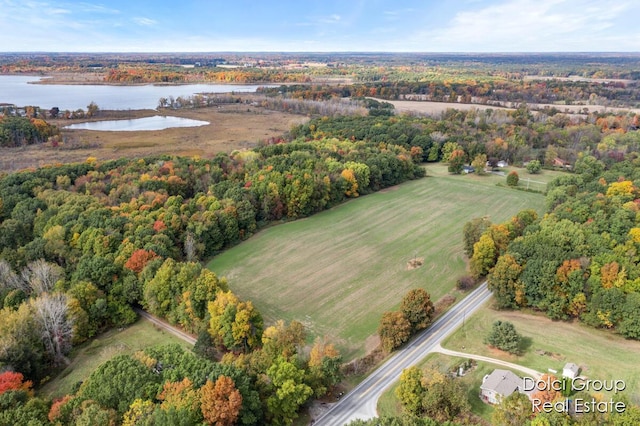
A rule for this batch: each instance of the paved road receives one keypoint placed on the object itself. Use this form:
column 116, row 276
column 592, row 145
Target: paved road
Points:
column 166, row 326
column 531, row 372
column 361, row 402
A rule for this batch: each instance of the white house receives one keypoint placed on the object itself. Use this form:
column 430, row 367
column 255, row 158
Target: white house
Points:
column 570, row 370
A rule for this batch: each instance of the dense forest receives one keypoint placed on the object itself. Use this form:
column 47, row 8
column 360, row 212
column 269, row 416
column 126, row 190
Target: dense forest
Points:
column 18, row 131
column 516, row 136
column 581, row 259
column 480, row 89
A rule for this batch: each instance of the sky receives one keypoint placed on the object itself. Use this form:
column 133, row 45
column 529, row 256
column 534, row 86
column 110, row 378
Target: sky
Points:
column 320, row 26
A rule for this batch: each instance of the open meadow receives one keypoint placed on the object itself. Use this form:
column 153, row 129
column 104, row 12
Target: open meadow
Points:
column 339, row 270
column 602, row 355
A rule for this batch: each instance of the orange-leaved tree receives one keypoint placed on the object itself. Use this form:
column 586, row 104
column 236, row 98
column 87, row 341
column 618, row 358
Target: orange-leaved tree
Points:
column 220, row 402
column 10, row 380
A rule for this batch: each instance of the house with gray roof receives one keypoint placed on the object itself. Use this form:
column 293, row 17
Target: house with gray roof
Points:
column 498, row 385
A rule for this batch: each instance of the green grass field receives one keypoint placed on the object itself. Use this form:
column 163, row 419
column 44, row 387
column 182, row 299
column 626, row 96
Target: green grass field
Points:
column 339, row 270
column 601, row 354
column 88, row 356
column 536, row 182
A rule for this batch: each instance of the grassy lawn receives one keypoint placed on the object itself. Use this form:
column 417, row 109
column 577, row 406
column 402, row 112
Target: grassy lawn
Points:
column 534, row 182
column 88, row 356
column 550, row 344
column 338, row 270
column 389, row 405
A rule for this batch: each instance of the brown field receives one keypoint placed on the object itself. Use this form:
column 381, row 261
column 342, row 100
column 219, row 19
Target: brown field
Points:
column 435, row 108
column 233, row 126
column 432, row 108
column 579, row 78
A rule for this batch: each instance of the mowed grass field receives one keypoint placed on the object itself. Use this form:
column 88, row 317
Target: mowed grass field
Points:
column 88, row 356
column 601, row 354
column 339, row 270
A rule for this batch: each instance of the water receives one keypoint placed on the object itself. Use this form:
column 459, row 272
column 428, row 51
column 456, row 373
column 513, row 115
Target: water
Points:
column 16, row 90
column 156, row 122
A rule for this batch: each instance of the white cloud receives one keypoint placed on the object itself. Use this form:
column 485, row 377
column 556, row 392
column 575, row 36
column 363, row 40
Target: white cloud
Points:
column 58, row 11
column 332, row 19
column 97, row 8
column 145, row 22
column 528, row 25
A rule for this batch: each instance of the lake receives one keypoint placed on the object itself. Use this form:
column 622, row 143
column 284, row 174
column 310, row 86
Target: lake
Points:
column 16, row 90
column 156, row 122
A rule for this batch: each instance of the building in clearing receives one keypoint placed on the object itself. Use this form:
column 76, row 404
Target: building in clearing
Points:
column 498, row 385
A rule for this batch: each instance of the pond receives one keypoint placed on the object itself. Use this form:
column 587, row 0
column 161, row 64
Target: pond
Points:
column 19, row 91
column 157, row 122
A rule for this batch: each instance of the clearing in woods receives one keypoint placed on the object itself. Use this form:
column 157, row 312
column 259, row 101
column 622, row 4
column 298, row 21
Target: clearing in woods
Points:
column 339, row 270
column 601, row 354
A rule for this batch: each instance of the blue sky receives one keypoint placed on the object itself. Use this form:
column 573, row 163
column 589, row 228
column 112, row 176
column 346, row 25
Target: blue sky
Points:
column 320, row 26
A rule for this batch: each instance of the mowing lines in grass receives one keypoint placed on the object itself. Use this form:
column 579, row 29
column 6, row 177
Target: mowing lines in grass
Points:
column 338, row 270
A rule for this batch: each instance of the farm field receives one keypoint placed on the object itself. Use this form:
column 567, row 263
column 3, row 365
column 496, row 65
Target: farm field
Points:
column 338, row 270
column 602, row 355
column 435, row 108
column 233, row 126
column 87, row 357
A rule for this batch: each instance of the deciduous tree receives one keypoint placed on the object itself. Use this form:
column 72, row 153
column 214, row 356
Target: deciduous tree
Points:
column 514, row 410
column 10, row 380
column 394, row 330
column 41, row 275
column 444, row 398
column 484, row 256
column 504, row 282
column 479, row 163
column 417, row 307
column 456, row 161
column 180, row 396
column 56, row 325
column 410, row 391
column 289, row 391
column 545, row 391
column 472, row 231
column 220, row 402
column 234, row 325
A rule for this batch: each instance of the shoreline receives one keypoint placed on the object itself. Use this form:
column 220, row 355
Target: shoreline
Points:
column 88, row 79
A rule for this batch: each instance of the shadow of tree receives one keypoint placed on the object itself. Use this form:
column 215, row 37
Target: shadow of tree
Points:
column 525, row 344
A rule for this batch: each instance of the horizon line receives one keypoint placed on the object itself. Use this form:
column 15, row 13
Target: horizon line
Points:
column 319, row 52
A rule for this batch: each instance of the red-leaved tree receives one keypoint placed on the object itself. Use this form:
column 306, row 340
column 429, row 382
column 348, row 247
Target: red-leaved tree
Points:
column 10, row 380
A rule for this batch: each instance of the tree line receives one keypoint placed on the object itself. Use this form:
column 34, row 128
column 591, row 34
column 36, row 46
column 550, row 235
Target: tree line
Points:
column 580, row 260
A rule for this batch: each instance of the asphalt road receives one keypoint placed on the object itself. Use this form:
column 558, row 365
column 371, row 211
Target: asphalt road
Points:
column 362, row 401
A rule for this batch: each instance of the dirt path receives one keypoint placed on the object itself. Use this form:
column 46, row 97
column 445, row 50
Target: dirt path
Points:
column 171, row 329
column 529, row 371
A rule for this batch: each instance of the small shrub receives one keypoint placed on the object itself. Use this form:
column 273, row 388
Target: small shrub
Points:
column 465, row 282
column 534, row 167
column 513, row 178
